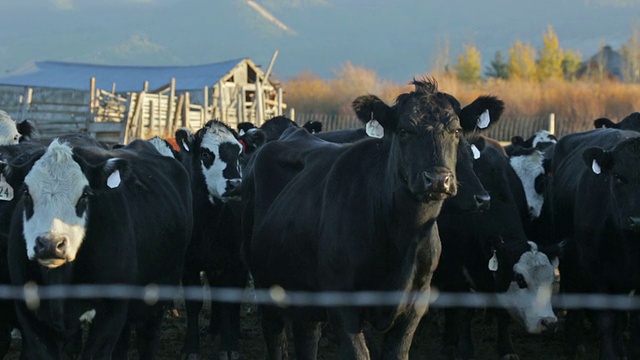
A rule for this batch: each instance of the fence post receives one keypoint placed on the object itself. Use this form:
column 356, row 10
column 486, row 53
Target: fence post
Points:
column 552, row 123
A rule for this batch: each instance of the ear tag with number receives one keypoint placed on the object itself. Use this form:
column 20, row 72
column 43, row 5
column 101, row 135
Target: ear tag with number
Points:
column 186, row 147
column 596, row 167
column 493, row 262
column 484, row 119
column 475, row 151
column 113, row 181
column 6, row 191
column 374, row 129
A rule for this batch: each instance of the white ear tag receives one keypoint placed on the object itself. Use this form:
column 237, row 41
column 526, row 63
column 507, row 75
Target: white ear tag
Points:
column 184, row 144
column 374, row 129
column 484, row 119
column 596, row 167
column 6, row 191
column 475, row 151
column 493, row 262
column 114, row 179
column 239, row 134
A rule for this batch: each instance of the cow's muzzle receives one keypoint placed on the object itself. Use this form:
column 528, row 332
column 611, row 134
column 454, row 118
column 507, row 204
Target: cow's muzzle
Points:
column 439, row 182
column 233, row 188
column 51, row 250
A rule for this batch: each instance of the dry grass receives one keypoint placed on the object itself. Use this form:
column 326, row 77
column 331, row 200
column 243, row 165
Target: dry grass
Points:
column 578, row 100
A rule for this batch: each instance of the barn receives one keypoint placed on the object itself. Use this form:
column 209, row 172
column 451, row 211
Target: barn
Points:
column 121, row 103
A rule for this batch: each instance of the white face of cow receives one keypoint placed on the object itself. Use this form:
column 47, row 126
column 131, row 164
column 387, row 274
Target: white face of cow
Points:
column 528, row 298
column 55, row 207
column 543, row 136
column 9, row 134
column 530, row 167
column 219, row 152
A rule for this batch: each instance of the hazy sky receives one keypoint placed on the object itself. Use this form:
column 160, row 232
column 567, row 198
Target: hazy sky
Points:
column 396, row 38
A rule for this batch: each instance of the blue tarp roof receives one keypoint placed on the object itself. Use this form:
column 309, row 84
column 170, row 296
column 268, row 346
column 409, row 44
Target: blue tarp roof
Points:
column 127, row 78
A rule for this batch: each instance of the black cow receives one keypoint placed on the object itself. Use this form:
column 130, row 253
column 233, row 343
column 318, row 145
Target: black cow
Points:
column 313, row 127
column 631, row 122
column 87, row 215
column 364, row 218
column 594, row 204
column 211, row 156
column 489, row 252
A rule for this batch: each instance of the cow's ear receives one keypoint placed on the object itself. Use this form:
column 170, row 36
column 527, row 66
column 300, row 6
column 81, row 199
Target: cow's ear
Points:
column 555, row 252
column 21, row 162
column 597, row 159
column 605, row 123
column 252, row 140
column 369, row 108
column 27, row 129
column 517, row 141
column 103, row 171
column 478, row 145
column 481, row 113
column 185, row 140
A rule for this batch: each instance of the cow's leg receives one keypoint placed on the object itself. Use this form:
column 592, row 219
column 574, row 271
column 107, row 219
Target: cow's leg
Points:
column 121, row 350
column 306, row 336
column 606, row 325
column 273, row 331
column 348, row 326
column 148, row 334
column 397, row 339
column 465, row 342
column 634, row 336
column 450, row 333
column 574, row 333
column 505, row 346
column 225, row 317
column 105, row 331
column 191, row 345
column 38, row 339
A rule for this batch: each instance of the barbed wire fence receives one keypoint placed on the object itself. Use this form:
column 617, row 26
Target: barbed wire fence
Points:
column 33, row 294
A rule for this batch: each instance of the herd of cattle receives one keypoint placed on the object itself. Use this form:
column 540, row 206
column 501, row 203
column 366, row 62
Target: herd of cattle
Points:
column 416, row 199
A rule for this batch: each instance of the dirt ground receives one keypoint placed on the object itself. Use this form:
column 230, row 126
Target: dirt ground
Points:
column 426, row 343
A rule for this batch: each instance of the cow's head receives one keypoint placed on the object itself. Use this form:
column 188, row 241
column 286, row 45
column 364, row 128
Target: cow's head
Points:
column 529, row 273
column 529, row 165
column 9, row 133
column 56, row 197
column 213, row 154
column 423, row 132
column 620, row 167
column 631, row 122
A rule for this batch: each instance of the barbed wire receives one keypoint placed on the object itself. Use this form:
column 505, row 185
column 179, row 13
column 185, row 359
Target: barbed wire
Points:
column 33, row 294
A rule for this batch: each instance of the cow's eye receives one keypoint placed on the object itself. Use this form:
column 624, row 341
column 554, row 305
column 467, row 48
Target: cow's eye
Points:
column 522, row 283
column 16, row 137
column 204, row 155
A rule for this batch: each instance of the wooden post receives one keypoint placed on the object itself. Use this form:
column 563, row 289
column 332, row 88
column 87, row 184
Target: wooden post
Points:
column 113, row 88
column 259, row 104
column 292, row 114
column 205, row 103
column 223, row 102
column 92, row 95
column 26, row 102
column 279, row 101
column 145, row 86
column 552, row 123
column 178, row 111
column 170, row 110
column 187, row 109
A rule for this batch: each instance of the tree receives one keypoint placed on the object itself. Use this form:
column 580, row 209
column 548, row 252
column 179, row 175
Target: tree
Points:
column 499, row 68
column 571, row 64
column 469, row 65
column 522, row 62
column 550, row 57
column 631, row 55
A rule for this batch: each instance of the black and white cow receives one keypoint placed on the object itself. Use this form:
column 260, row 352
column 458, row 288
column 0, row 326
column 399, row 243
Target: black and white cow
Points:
column 540, row 140
column 631, row 122
column 11, row 183
column 211, row 156
column 489, row 252
column 88, row 215
column 12, row 132
column 364, row 219
column 594, row 202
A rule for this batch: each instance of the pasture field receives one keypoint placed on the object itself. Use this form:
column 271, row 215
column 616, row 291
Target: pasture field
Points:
column 426, row 343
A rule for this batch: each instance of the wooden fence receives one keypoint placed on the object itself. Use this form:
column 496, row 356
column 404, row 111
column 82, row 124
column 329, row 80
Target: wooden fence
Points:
column 503, row 131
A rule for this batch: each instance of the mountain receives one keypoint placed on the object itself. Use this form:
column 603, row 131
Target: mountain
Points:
column 398, row 39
